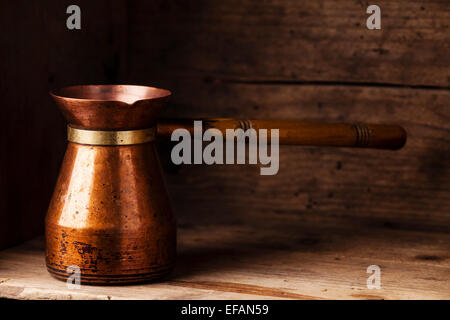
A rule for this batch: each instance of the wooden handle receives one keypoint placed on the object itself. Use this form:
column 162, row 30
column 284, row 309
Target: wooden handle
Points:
column 292, row 132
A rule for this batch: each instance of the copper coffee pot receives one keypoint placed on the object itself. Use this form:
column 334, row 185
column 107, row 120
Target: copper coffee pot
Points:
column 110, row 215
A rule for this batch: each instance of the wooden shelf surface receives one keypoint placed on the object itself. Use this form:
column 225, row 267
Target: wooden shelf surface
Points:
column 285, row 259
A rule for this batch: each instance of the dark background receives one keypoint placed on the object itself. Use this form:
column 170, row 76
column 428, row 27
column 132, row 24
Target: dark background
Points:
column 289, row 59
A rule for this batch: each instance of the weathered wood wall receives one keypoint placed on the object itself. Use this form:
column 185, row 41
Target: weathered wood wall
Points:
column 291, row 40
column 284, row 59
column 313, row 60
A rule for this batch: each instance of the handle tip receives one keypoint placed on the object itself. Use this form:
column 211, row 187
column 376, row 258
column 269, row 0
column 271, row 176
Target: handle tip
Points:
column 390, row 137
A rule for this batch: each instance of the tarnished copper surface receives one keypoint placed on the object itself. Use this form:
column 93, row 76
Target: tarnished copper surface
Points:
column 110, row 214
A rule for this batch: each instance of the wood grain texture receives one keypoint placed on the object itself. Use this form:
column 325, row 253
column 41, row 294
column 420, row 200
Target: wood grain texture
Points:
column 291, row 41
column 40, row 53
column 268, row 258
column 315, row 61
column 408, row 188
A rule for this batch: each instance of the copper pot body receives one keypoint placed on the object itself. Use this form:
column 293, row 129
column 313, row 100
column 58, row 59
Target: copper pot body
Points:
column 110, row 216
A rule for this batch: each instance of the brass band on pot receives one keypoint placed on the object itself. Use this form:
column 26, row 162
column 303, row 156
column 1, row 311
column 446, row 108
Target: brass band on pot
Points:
column 110, row 138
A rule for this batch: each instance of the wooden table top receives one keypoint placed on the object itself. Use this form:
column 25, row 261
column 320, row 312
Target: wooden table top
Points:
column 288, row 259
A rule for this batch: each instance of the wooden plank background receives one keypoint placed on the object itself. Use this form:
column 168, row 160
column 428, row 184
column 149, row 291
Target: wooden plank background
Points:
column 292, row 41
column 403, row 189
column 312, row 60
